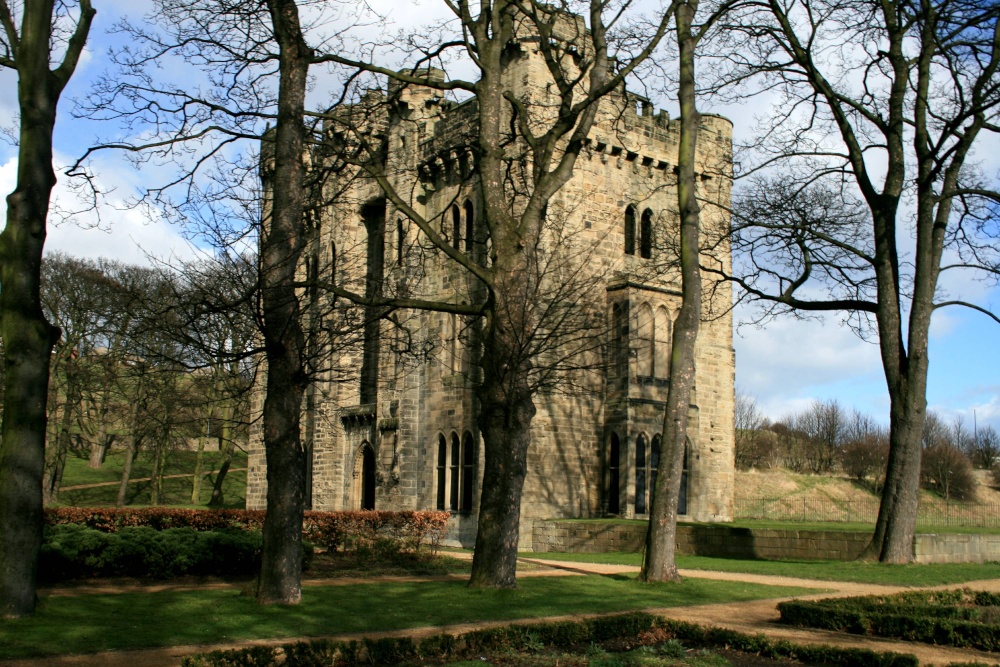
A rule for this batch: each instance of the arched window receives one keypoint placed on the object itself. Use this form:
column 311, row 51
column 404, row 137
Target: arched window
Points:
column 456, row 227
column 646, row 235
column 442, row 470
column 614, row 483
column 661, row 348
column 470, row 229
column 630, row 230
column 640, row 475
column 456, row 457
column 468, row 472
column 644, row 358
column 400, row 240
column 333, row 263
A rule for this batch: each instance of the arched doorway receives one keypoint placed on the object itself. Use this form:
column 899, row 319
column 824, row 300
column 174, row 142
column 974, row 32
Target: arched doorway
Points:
column 364, row 478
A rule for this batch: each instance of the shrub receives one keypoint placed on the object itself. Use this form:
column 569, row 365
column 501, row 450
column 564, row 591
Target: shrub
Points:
column 956, row 618
column 73, row 551
column 330, row 530
column 524, row 637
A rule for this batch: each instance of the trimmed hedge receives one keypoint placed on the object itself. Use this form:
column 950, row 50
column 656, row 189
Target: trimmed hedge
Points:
column 961, row 618
column 72, row 551
column 527, row 638
column 329, row 530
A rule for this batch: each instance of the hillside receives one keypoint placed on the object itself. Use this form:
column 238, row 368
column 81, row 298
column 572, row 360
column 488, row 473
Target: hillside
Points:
column 781, row 494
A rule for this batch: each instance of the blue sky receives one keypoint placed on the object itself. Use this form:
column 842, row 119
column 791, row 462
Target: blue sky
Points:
column 785, row 365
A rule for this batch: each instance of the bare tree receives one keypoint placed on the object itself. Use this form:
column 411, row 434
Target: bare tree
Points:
column 45, row 30
column 525, row 152
column 865, row 450
column 659, row 562
column 752, row 450
column 916, row 85
column 986, row 448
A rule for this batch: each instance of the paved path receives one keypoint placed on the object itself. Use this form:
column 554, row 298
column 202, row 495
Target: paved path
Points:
column 758, row 616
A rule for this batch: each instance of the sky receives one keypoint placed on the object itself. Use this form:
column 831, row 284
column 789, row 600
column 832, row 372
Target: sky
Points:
column 785, row 365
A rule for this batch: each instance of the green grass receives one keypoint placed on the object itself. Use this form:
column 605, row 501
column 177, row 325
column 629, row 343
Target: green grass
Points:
column 176, row 491
column 89, row 623
column 931, row 574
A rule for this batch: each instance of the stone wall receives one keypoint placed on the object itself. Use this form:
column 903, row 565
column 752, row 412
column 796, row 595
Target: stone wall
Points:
column 956, row 548
column 729, row 542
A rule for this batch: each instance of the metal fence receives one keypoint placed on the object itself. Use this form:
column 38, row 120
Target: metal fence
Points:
column 809, row 510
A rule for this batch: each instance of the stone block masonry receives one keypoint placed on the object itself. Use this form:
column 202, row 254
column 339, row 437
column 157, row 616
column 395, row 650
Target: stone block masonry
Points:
column 393, row 414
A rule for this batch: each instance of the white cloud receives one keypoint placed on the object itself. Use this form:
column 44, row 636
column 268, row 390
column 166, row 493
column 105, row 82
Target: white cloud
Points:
column 124, row 234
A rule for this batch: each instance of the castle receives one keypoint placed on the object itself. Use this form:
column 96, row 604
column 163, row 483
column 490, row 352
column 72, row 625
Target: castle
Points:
column 390, row 419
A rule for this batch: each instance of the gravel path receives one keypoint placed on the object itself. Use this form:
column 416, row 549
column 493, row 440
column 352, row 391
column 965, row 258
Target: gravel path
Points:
column 753, row 617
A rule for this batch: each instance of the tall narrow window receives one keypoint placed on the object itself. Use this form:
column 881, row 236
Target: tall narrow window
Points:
column 630, row 230
column 646, row 235
column 456, row 455
column 614, row 484
column 400, row 240
column 682, row 504
column 470, row 226
column 442, row 471
column 654, row 465
column 468, row 472
column 333, row 263
column 640, row 475
column 456, row 227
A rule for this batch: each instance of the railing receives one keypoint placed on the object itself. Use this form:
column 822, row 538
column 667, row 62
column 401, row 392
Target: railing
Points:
column 816, row 510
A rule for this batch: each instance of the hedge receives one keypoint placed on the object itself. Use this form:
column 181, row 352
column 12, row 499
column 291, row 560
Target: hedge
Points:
column 73, row 551
column 528, row 637
column 950, row 618
column 329, row 530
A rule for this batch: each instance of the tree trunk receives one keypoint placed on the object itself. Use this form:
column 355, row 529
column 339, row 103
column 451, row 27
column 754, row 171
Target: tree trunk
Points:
column 155, row 474
column 217, row 498
column 505, row 421
column 126, row 474
column 281, row 245
column 99, row 448
column 28, row 337
column 659, row 563
column 196, row 481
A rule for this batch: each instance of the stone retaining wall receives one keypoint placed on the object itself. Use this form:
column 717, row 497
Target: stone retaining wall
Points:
column 956, row 548
column 730, row 542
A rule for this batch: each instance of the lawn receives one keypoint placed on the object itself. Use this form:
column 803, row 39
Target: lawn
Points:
column 176, row 491
column 89, row 623
column 931, row 574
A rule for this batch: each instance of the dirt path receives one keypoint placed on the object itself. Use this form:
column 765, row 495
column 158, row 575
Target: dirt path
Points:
column 759, row 616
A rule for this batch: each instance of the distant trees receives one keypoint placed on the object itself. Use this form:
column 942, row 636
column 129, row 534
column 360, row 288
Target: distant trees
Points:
column 142, row 365
column 822, row 439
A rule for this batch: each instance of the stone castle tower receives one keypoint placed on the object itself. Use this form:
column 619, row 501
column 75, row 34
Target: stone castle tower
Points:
column 390, row 420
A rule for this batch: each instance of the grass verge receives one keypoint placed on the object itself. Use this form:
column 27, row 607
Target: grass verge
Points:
column 90, row 623
column 930, row 574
